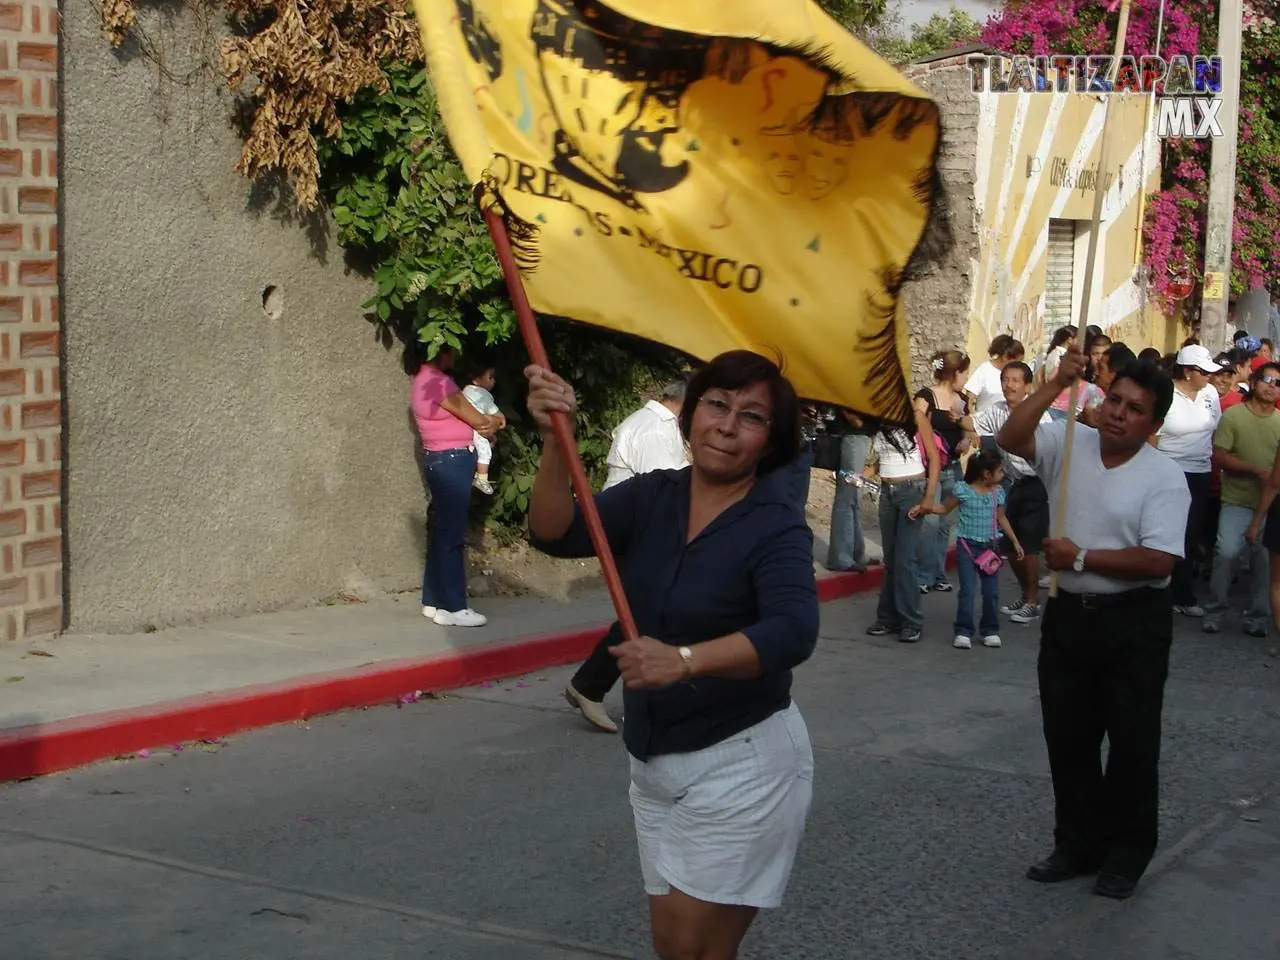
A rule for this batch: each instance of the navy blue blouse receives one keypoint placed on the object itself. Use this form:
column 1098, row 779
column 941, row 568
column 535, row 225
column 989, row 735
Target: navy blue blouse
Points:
column 749, row 571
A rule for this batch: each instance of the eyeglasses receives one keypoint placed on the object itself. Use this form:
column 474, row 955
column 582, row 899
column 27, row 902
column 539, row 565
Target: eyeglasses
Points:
column 750, row 420
column 1268, row 379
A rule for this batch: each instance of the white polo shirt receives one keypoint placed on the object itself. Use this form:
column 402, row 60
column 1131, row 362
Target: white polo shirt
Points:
column 648, row 440
column 1186, row 436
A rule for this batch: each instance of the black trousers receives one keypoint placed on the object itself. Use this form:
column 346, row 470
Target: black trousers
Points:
column 599, row 672
column 1184, row 576
column 1102, row 670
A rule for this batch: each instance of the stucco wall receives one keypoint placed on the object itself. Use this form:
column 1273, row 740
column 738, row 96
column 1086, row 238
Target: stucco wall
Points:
column 1038, row 156
column 937, row 306
column 220, row 461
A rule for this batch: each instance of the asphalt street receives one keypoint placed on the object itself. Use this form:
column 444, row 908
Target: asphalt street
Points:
column 490, row 823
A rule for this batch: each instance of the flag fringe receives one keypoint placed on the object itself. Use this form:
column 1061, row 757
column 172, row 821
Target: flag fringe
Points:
column 522, row 234
column 937, row 239
column 879, row 350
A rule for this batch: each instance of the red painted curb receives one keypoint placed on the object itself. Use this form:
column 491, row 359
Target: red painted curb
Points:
column 41, row 749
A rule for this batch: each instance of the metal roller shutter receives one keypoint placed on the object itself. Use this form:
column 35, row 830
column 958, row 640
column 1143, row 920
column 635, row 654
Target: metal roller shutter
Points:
column 1060, row 272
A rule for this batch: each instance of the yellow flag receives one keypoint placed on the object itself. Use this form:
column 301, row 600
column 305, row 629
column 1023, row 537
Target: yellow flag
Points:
column 707, row 174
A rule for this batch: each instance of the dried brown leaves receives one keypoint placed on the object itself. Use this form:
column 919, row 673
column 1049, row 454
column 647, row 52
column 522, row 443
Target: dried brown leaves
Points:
column 298, row 61
column 117, row 19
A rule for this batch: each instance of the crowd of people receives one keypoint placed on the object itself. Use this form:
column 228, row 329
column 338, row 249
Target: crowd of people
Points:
column 1228, row 460
column 1174, row 470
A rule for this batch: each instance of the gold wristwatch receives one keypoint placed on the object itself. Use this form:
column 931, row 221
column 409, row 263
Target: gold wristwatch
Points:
column 686, row 657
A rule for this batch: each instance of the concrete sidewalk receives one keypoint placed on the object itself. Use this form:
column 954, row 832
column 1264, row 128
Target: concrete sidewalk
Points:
column 81, row 698
column 79, row 674
column 85, row 697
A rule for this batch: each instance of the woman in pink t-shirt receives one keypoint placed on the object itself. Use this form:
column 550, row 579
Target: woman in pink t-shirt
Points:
column 446, row 419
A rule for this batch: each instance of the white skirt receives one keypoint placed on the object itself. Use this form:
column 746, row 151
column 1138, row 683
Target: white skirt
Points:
column 723, row 824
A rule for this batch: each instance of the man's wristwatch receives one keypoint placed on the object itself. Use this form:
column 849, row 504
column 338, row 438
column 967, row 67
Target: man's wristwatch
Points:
column 686, row 658
column 1078, row 564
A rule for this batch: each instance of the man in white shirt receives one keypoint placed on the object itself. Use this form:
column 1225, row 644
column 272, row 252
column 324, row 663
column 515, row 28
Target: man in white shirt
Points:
column 648, row 440
column 1105, row 637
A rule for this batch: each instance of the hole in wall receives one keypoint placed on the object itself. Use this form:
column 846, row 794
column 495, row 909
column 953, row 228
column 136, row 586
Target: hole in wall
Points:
column 273, row 301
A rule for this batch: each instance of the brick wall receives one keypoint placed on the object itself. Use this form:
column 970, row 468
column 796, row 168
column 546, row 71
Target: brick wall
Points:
column 30, row 367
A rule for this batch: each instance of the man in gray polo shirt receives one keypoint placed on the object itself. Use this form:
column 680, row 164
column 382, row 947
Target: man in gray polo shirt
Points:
column 1105, row 638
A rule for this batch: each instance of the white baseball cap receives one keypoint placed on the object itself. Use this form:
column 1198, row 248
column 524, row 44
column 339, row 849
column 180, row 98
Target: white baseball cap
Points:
column 1198, row 357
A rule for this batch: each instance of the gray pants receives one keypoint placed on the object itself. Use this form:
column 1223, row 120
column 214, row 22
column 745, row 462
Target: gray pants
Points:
column 1233, row 521
column 935, row 538
column 848, row 551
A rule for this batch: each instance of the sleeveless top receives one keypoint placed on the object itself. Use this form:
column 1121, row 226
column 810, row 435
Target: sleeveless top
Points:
column 944, row 428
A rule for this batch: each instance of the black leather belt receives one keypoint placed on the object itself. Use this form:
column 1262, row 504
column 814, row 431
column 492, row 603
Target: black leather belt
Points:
column 1104, row 601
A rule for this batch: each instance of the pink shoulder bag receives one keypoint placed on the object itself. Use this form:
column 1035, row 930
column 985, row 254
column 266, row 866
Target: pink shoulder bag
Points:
column 988, row 561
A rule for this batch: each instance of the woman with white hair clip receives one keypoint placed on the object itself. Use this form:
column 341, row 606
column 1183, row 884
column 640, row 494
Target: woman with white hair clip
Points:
column 945, row 407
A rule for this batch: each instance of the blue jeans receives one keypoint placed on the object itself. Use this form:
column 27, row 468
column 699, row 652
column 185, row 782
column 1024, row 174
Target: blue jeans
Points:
column 848, row 551
column 971, row 581
column 899, row 604
column 444, row 578
column 1233, row 521
column 935, row 538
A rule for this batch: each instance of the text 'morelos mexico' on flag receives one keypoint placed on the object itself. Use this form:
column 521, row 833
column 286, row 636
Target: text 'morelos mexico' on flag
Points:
column 708, row 175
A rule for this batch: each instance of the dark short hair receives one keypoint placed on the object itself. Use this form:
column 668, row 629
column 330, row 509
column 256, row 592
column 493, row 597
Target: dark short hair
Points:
column 1263, row 368
column 1152, row 379
column 1119, row 356
column 1000, row 345
column 1150, row 355
column 1018, row 365
column 477, row 366
column 737, row 370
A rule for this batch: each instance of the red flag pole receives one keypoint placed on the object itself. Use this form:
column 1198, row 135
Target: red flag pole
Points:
column 560, row 423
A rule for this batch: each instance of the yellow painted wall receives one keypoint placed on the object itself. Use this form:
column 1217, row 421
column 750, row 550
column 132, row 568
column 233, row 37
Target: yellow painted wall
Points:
column 1032, row 152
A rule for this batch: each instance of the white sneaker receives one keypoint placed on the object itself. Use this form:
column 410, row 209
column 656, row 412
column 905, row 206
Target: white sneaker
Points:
column 460, row 618
column 429, row 612
column 962, row 643
column 1195, row 611
column 991, row 641
column 483, row 485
